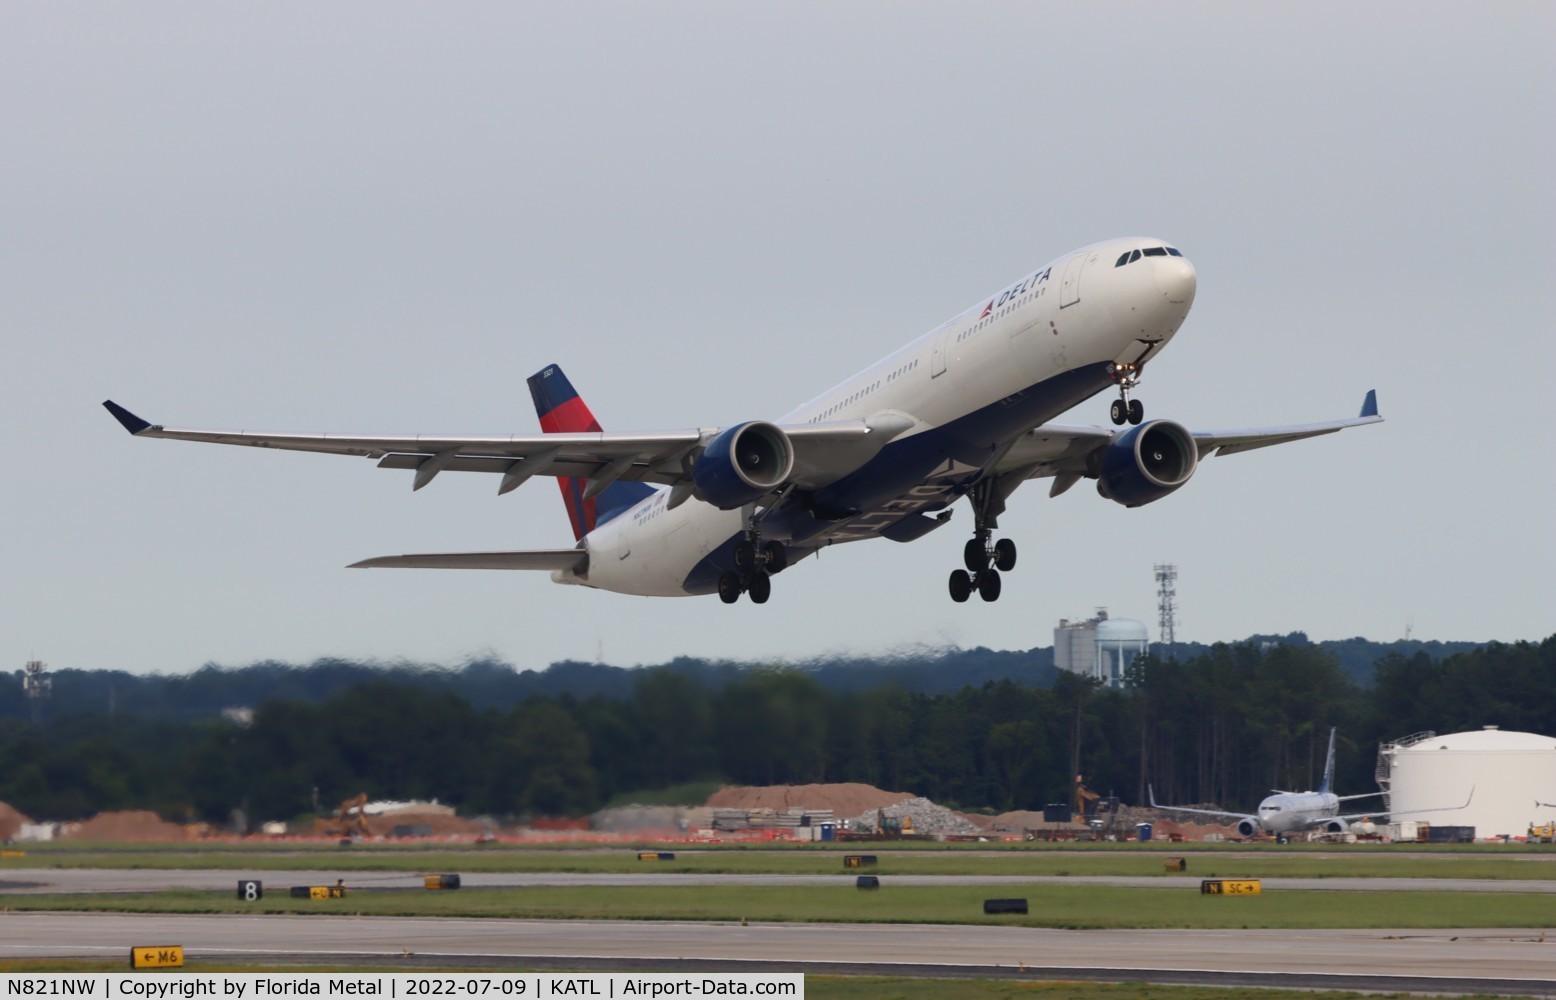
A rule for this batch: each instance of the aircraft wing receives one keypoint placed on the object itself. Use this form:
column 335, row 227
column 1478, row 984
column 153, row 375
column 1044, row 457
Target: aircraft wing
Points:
column 1199, row 812
column 1070, row 452
column 576, row 560
column 823, row 452
column 1403, row 812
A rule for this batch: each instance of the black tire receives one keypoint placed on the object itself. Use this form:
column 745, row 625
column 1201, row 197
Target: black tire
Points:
column 729, row 588
column 759, row 588
column 1004, row 555
column 961, row 586
column 975, row 556
column 1136, row 411
column 777, row 557
column 989, row 585
column 745, row 555
column 1118, row 411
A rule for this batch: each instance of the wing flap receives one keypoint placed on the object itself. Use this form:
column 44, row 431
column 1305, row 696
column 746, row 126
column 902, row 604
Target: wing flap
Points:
column 566, row 560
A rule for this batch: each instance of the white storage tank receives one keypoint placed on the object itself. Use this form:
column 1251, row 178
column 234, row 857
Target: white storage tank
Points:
column 1508, row 773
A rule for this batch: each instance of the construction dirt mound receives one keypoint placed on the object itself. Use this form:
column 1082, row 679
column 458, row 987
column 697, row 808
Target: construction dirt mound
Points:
column 431, row 822
column 10, row 821
column 844, row 799
column 140, row 824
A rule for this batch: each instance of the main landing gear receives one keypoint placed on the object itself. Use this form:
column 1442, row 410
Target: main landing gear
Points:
column 985, row 559
column 755, row 562
column 1126, row 377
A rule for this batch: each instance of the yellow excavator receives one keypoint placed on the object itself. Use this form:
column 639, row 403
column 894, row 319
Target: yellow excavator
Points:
column 351, row 821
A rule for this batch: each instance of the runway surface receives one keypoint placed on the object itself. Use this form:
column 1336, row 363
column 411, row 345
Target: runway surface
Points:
column 89, row 880
column 1447, row 961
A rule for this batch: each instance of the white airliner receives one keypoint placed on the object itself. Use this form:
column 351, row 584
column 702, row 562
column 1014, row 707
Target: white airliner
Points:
column 1286, row 813
column 958, row 412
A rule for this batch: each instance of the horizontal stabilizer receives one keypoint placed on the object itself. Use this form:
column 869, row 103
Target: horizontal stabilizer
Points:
column 575, row 560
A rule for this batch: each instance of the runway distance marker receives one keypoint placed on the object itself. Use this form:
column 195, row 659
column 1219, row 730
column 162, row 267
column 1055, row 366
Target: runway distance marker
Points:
column 251, row 890
column 157, row 956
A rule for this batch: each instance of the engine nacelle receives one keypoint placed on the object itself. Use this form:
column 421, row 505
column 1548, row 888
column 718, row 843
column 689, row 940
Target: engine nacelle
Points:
column 744, row 463
column 1336, row 826
column 1147, row 463
column 1247, row 827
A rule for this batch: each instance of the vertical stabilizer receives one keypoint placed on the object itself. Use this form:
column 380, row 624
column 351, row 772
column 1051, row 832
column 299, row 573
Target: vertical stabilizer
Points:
column 1328, row 785
column 563, row 411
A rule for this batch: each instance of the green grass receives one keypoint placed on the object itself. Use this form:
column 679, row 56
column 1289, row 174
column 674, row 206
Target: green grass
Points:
column 1359, row 862
column 1055, row 906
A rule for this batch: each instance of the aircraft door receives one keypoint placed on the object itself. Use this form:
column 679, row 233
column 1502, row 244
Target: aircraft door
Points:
column 1070, row 283
column 937, row 354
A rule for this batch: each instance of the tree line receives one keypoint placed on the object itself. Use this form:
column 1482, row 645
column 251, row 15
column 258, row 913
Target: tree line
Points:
column 1221, row 726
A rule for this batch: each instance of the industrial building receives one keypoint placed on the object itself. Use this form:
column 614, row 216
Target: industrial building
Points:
column 1100, row 647
column 1501, row 774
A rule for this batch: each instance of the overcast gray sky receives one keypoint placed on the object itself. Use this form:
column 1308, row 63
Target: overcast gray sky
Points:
column 381, row 217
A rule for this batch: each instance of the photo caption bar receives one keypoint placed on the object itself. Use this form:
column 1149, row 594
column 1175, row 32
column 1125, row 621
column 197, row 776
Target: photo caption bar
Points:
column 160, row 985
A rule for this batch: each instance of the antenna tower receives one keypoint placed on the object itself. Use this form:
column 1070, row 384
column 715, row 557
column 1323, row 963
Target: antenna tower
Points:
column 1167, row 605
column 37, row 685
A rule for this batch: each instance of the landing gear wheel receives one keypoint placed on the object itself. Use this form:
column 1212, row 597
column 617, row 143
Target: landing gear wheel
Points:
column 759, row 588
column 745, row 554
column 1119, row 411
column 961, row 586
column 989, row 585
column 975, row 555
column 729, row 588
column 1004, row 555
column 777, row 557
column 1282, row 839
column 1136, row 411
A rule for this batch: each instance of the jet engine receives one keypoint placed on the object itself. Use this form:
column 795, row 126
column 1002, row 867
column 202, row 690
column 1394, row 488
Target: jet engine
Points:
column 1248, row 827
column 1147, row 463
column 743, row 463
column 1336, row 826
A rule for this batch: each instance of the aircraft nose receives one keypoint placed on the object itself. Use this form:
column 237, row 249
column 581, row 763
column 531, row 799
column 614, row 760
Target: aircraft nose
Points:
column 1175, row 279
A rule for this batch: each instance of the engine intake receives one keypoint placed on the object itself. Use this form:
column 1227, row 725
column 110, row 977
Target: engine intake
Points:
column 1247, row 827
column 1336, row 825
column 742, row 464
column 1147, row 463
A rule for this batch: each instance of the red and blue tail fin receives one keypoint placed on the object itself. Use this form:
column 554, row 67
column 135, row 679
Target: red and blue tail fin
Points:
column 563, row 411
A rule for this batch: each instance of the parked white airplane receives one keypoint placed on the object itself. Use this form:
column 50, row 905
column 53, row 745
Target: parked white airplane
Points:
column 958, row 412
column 1286, row 813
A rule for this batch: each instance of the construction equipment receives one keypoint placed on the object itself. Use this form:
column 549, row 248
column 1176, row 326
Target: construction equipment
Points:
column 351, row 821
column 1543, row 834
column 1085, row 798
column 893, row 827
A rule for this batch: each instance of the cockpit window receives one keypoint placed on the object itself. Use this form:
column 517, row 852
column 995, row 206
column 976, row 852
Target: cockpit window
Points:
column 1133, row 255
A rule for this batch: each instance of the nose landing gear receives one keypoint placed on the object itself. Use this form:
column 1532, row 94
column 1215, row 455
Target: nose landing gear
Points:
column 1126, row 377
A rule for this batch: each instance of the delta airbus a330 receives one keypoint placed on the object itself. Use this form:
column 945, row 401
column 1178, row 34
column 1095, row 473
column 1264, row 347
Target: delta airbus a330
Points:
column 959, row 412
